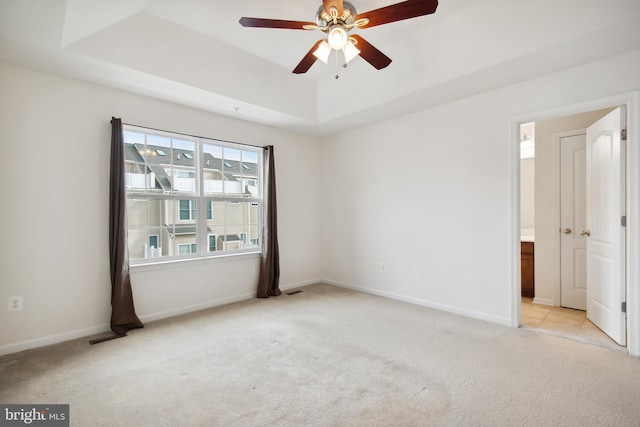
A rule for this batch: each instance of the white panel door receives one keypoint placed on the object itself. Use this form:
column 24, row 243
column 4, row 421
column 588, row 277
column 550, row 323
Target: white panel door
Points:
column 573, row 219
column 605, row 234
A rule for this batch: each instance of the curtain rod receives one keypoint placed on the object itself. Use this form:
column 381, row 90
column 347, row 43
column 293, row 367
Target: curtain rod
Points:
column 195, row 136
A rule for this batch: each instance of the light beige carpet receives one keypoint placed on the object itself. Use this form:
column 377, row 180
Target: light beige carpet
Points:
column 329, row 357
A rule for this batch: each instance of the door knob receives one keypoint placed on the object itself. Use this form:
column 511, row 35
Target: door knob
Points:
column 567, row 231
column 585, row 233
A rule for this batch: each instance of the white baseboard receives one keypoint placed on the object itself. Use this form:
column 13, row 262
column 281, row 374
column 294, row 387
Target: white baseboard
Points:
column 215, row 303
column 417, row 301
column 52, row 339
column 300, row 284
column 152, row 317
column 544, row 301
column 87, row 332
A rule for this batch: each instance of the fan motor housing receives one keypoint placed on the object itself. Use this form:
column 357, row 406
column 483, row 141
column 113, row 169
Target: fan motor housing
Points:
column 323, row 19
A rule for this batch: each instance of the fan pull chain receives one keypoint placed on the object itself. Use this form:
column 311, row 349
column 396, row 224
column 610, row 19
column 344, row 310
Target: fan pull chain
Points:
column 337, row 67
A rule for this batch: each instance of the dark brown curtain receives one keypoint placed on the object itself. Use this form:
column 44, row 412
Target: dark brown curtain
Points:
column 270, row 260
column 123, row 313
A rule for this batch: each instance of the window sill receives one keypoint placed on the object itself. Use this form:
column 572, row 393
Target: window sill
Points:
column 174, row 263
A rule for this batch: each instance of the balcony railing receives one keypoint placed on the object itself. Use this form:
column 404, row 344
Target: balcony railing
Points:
column 211, row 186
column 137, row 180
column 152, row 252
column 218, row 186
column 187, row 185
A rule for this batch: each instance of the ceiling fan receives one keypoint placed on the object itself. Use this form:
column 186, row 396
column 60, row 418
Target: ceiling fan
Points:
column 336, row 18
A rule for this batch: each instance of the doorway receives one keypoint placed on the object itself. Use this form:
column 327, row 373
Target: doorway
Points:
column 547, row 296
column 561, row 147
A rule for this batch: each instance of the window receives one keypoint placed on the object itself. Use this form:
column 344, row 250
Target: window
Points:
column 186, row 249
column 190, row 197
column 187, row 210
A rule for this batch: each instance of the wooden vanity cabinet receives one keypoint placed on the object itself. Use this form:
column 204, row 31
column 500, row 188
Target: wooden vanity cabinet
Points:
column 527, row 269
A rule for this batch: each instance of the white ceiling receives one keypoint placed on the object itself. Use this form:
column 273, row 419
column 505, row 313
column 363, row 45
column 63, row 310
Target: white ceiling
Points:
column 194, row 52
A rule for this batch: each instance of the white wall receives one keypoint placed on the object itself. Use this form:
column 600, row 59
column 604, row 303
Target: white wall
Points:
column 54, row 181
column 434, row 190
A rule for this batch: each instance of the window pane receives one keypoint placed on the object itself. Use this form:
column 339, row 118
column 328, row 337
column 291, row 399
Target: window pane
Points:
column 232, row 185
column 231, row 154
column 254, row 212
column 131, row 137
column 249, row 172
column 216, row 225
column 237, row 213
column 146, row 233
column 155, row 229
column 182, row 170
column 232, row 171
column 182, row 233
column 240, row 226
column 215, row 151
column 212, row 169
column 186, row 249
column 157, row 140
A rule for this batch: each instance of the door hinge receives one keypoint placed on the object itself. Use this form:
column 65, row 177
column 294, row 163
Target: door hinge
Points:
column 623, row 221
column 623, row 134
column 623, row 306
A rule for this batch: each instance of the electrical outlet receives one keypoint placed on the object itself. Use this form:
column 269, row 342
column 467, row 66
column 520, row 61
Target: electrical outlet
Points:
column 383, row 267
column 417, row 271
column 15, row 303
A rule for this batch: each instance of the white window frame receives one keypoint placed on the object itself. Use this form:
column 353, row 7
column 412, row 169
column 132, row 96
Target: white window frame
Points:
column 202, row 200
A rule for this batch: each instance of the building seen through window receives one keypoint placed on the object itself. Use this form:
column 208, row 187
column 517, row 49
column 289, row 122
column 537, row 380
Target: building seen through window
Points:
column 190, row 197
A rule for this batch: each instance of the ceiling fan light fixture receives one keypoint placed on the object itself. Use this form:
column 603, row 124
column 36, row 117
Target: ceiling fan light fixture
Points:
column 336, row 18
column 338, row 37
column 350, row 51
column 323, row 51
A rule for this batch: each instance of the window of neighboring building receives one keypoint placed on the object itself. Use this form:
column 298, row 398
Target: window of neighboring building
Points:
column 186, row 249
column 153, row 241
column 187, row 210
column 190, row 197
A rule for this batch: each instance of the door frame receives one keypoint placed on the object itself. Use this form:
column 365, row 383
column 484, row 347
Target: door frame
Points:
column 632, row 101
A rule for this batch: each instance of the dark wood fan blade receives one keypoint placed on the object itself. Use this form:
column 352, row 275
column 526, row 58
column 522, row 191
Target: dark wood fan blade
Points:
column 308, row 60
column 335, row 3
column 273, row 23
column 370, row 54
column 399, row 11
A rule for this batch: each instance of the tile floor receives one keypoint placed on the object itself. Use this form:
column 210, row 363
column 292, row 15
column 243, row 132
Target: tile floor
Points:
column 564, row 322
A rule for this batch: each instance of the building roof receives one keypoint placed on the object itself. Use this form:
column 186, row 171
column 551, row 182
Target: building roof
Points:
column 158, row 158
